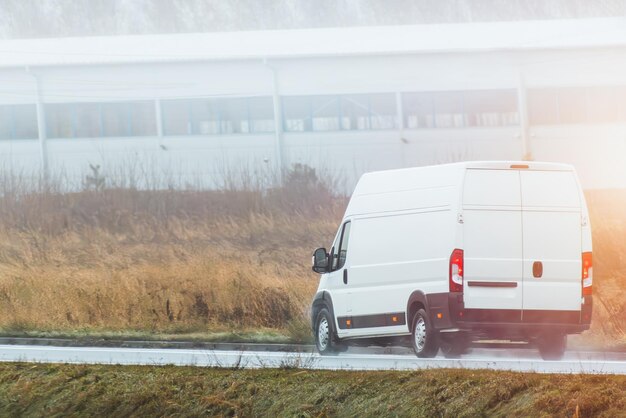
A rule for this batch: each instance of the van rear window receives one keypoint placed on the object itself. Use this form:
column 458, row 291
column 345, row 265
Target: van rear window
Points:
column 550, row 189
column 492, row 188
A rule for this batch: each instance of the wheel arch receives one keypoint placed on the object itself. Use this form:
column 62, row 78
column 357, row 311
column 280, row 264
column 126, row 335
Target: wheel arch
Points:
column 417, row 301
column 322, row 299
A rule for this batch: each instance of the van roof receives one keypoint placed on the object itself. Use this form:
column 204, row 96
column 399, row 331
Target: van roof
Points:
column 494, row 165
column 443, row 175
column 516, row 165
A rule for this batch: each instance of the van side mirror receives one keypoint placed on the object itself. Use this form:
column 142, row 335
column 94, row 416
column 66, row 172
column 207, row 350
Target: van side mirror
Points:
column 320, row 260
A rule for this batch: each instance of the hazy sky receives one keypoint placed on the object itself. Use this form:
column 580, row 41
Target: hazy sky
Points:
column 56, row 18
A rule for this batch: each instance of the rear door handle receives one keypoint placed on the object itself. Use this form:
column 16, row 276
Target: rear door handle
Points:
column 537, row 269
column 345, row 276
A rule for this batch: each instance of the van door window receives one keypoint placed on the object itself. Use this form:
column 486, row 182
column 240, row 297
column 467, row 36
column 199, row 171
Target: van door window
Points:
column 343, row 246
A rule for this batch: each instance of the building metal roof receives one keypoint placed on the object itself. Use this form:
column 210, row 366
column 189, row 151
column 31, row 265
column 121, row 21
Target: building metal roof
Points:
column 327, row 42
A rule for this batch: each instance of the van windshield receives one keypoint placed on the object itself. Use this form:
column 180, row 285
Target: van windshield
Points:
column 343, row 247
column 340, row 247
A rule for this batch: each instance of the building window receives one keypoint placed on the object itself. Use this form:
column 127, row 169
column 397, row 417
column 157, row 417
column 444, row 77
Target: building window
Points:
column 234, row 118
column 543, row 107
column 6, row 122
column 204, row 114
column 218, row 116
column 91, row 120
column 491, row 108
column 115, row 120
column 333, row 113
column 59, row 120
column 87, row 122
column 176, row 117
column 620, row 98
column 261, row 114
column 577, row 105
column 297, row 113
column 572, row 104
column 449, row 109
column 142, row 117
column 355, row 112
column 383, row 111
column 605, row 104
column 18, row 122
column 325, row 113
column 419, row 110
column 458, row 109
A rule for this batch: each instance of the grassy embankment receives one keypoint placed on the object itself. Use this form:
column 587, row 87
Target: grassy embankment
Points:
column 224, row 265
column 53, row 390
column 228, row 265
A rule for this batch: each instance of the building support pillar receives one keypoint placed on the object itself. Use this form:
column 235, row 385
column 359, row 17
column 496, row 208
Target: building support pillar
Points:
column 158, row 115
column 159, row 118
column 278, row 121
column 404, row 142
column 522, row 105
column 41, row 128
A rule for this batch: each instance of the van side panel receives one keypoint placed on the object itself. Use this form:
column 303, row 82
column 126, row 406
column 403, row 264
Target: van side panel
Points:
column 393, row 255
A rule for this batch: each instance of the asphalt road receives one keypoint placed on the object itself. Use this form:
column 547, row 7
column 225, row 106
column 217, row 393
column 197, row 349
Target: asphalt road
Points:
column 358, row 359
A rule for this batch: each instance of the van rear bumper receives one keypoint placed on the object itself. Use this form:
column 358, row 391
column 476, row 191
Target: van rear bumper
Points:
column 447, row 310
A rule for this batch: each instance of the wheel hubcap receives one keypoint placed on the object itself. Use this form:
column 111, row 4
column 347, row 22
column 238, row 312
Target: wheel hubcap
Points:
column 420, row 334
column 322, row 334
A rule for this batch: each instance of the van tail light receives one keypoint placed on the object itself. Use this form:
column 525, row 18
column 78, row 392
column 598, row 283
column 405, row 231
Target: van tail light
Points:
column 587, row 275
column 456, row 271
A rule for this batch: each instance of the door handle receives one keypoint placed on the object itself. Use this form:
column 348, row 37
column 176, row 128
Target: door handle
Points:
column 537, row 269
column 345, row 276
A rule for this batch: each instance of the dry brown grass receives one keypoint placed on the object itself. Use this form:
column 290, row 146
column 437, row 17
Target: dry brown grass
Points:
column 233, row 272
column 162, row 261
column 197, row 261
column 608, row 222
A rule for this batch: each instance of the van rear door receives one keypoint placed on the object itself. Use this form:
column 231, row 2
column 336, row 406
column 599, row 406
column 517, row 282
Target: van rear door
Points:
column 551, row 218
column 492, row 243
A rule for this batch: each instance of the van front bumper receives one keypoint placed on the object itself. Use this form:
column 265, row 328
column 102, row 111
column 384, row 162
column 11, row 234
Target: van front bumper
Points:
column 448, row 310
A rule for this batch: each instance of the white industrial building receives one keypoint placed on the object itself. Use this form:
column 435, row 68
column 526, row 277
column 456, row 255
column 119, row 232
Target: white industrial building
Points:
column 195, row 107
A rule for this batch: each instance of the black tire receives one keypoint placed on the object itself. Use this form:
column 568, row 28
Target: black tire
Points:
column 454, row 345
column 340, row 347
column 552, row 346
column 425, row 339
column 325, row 333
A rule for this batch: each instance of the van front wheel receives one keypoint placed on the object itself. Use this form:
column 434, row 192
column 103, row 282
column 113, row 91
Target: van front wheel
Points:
column 424, row 339
column 324, row 333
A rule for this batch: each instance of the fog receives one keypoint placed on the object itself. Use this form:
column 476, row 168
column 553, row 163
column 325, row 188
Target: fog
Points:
column 60, row 18
column 167, row 167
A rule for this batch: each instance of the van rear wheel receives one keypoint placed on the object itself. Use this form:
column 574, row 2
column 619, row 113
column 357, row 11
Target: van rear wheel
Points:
column 454, row 345
column 552, row 346
column 425, row 342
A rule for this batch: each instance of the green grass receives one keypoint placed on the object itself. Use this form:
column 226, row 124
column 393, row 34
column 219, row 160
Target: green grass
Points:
column 268, row 335
column 69, row 390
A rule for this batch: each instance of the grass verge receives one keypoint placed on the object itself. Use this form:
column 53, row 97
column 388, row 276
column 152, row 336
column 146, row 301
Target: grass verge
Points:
column 269, row 336
column 70, row 390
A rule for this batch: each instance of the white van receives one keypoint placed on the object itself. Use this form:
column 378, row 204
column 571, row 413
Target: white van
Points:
column 447, row 254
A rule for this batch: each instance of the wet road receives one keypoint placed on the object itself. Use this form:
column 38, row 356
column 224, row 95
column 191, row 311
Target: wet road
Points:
column 526, row 360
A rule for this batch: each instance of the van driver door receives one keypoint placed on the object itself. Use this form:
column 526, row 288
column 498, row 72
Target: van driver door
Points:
column 338, row 276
